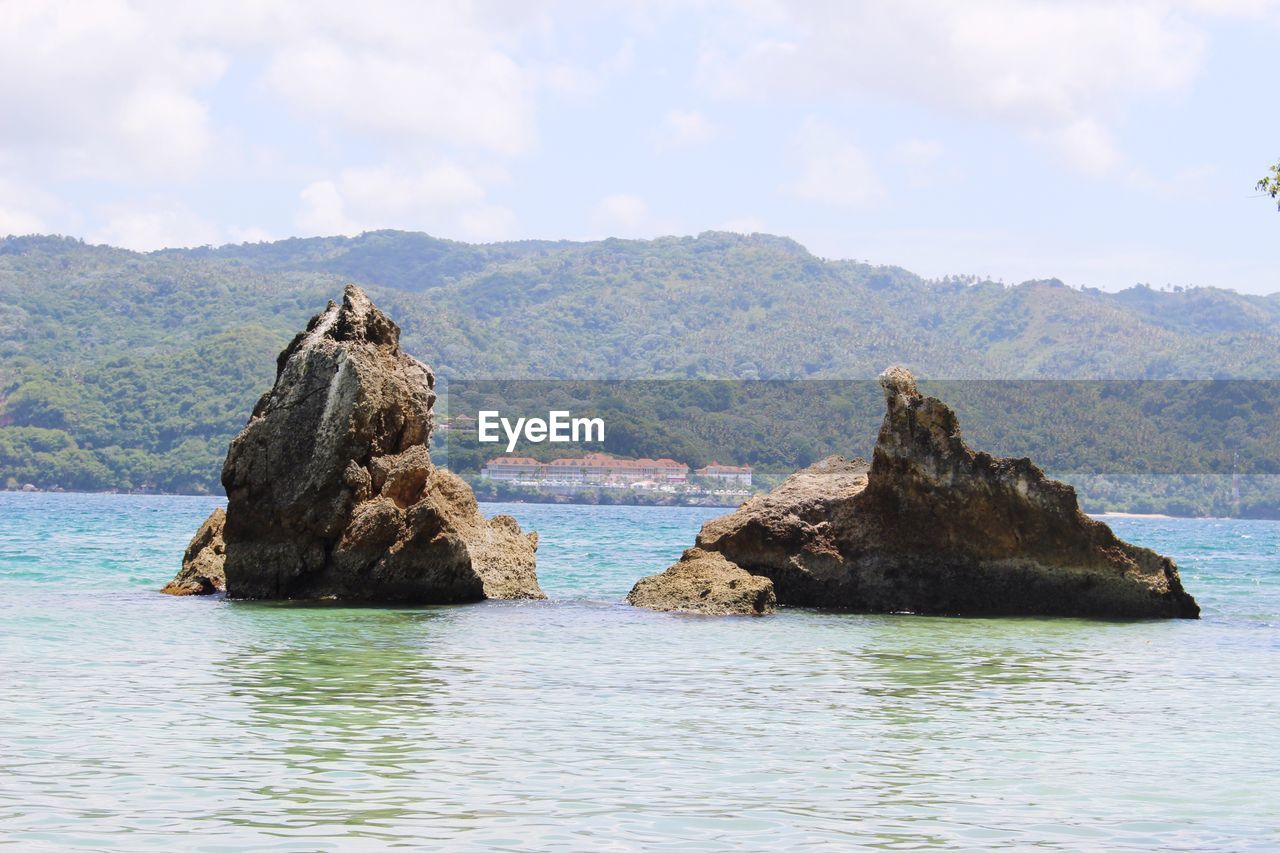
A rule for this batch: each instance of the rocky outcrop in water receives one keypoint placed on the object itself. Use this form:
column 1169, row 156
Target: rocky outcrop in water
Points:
column 331, row 492
column 202, row 564
column 931, row 526
column 705, row 582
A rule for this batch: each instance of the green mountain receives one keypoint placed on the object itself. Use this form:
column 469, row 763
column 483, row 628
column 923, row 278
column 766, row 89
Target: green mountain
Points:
column 127, row 370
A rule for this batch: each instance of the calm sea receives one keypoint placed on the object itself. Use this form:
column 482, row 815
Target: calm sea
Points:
column 130, row 719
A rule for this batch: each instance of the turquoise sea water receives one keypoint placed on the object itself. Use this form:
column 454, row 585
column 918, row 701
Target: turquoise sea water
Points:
column 134, row 720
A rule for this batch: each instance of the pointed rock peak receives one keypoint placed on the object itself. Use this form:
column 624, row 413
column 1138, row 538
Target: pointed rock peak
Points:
column 360, row 320
column 898, row 382
column 357, row 320
column 917, row 432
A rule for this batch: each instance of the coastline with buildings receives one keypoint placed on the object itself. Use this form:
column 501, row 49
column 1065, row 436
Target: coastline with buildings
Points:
column 602, row 477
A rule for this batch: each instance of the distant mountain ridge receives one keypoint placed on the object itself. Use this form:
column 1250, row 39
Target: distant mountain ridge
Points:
column 1009, row 324
column 119, row 369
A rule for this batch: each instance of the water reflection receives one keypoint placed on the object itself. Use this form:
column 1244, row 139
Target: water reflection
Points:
column 341, row 709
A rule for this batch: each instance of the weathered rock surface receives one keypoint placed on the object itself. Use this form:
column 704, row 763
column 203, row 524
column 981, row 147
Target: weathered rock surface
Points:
column 930, row 526
column 331, row 491
column 705, row 582
column 202, row 564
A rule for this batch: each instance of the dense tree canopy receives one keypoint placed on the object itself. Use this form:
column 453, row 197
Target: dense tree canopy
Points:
column 126, row 370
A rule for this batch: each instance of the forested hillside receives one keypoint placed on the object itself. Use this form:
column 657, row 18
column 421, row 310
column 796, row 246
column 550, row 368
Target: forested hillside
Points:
column 126, row 370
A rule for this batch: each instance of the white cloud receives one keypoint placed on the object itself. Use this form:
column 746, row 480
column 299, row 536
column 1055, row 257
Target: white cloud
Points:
column 427, row 77
column 832, row 170
column 250, row 234
column 103, row 90
column 1058, row 70
column 14, row 220
column 682, row 128
column 443, row 197
column 17, row 221
column 623, row 211
column 1086, row 145
column 324, row 211
column 167, row 130
column 155, row 224
column 22, row 209
column 628, row 215
column 487, row 224
column 119, row 92
column 1233, row 8
column 394, row 192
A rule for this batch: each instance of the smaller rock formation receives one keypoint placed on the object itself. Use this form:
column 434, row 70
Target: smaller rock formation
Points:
column 705, row 582
column 202, row 563
column 933, row 527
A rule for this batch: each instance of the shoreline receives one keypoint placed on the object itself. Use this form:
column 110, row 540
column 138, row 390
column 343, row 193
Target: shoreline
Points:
column 1101, row 516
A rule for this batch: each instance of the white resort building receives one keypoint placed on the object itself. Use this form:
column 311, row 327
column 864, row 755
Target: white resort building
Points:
column 591, row 469
column 729, row 473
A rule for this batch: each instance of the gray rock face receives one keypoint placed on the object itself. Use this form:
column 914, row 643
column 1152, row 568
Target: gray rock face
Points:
column 705, row 582
column 202, row 564
column 331, row 491
column 930, row 526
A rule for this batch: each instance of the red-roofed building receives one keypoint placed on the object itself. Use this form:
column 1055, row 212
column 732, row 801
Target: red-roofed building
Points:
column 589, row 469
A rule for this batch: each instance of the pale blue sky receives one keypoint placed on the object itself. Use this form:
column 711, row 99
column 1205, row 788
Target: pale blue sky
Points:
column 1105, row 143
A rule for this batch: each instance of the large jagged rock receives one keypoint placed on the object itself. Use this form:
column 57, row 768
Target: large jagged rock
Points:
column 705, row 582
column 930, row 526
column 202, row 564
column 331, row 491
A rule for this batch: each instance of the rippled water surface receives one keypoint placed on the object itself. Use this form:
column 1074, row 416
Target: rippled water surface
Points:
column 136, row 720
